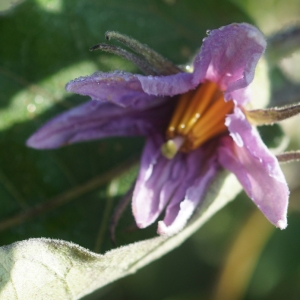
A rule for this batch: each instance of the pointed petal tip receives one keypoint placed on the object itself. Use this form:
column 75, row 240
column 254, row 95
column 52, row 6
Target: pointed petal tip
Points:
column 39, row 146
column 166, row 231
column 32, row 143
column 38, row 142
column 141, row 225
column 68, row 86
column 281, row 224
column 161, row 228
column 71, row 85
column 29, row 143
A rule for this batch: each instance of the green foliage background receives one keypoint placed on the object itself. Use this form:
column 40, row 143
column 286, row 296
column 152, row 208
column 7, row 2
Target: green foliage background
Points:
column 70, row 193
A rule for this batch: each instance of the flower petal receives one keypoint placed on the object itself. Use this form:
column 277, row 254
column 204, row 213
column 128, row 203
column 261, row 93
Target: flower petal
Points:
column 167, row 85
column 178, row 184
column 180, row 210
column 256, row 168
column 229, row 56
column 121, row 88
column 94, row 120
column 150, row 194
column 127, row 89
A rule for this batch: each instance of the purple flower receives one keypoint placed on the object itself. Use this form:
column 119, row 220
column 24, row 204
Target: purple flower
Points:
column 195, row 124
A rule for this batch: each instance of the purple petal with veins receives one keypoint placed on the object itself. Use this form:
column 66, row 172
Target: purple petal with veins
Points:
column 228, row 57
column 121, row 88
column 95, row 120
column 177, row 185
column 256, row 168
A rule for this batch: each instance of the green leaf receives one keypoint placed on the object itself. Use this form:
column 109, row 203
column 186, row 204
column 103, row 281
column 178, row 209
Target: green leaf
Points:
column 6, row 5
column 55, row 269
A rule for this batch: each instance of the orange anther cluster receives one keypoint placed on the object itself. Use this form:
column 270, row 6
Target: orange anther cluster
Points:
column 199, row 116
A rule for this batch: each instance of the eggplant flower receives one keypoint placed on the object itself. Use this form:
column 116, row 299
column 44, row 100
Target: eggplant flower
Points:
column 195, row 124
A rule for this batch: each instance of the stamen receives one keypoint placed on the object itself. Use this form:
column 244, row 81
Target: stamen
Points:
column 212, row 122
column 197, row 107
column 179, row 112
column 198, row 117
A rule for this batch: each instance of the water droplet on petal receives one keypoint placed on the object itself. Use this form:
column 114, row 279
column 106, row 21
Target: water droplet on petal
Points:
column 208, row 32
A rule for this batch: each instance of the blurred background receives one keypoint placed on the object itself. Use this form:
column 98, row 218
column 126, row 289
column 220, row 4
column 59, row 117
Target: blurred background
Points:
column 70, row 193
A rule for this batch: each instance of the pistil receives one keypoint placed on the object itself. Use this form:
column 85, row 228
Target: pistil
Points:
column 171, row 147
